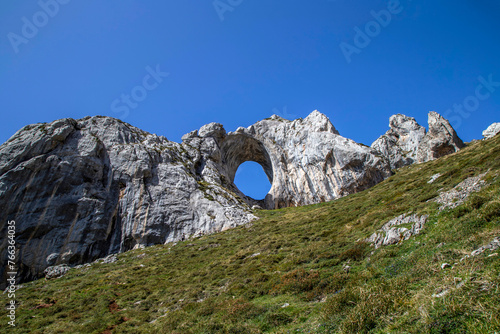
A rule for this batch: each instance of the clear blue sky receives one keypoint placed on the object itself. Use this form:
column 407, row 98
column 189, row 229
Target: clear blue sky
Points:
column 248, row 59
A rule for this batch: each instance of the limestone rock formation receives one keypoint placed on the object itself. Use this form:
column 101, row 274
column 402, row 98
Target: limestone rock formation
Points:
column 392, row 232
column 306, row 160
column 492, row 130
column 79, row 190
column 400, row 143
column 407, row 142
column 458, row 195
column 492, row 246
column 440, row 140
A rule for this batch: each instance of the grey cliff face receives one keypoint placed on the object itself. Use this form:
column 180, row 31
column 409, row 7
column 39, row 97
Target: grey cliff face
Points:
column 400, row 143
column 306, row 160
column 82, row 189
column 491, row 131
column 406, row 142
column 441, row 139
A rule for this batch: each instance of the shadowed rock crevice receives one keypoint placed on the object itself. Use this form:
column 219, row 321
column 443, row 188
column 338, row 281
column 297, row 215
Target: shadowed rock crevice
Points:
column 239, row 148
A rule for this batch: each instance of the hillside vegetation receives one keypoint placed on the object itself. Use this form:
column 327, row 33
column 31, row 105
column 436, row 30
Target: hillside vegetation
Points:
column 286, row 273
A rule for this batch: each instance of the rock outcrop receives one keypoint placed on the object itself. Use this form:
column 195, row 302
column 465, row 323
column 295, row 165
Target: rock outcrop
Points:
column 406, row 142
column 398, row 229
column 492, row 246
column 400, row 143
column 79, row 190
column 440, row 140
column 491, row 131
column 458, row 195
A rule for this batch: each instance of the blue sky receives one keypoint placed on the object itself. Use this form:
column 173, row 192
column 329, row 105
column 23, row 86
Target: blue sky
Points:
column 238, row 61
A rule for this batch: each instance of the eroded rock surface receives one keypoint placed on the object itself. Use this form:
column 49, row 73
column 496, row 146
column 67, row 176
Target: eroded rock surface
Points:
column 400, row 143
column 398, row 229
column 80, row 190
column 406, row 142
column 306, row 160
column 458, row 195
column 440, row 140
column 492, row 246
column 491, row 131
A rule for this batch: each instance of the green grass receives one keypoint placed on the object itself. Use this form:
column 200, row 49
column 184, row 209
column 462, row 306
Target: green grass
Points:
column 238, row 281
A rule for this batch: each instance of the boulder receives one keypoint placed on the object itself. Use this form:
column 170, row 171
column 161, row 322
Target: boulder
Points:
column 491, row 131
column 440, row 140
column 400, row 143
column 406, row 142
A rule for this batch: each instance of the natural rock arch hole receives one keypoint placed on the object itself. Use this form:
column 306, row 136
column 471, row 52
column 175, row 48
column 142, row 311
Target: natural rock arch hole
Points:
column 252, row 181
column 240, row 148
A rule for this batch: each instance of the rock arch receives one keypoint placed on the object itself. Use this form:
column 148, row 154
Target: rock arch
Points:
column 149, row 190
column 306, row 160
column 239, row 148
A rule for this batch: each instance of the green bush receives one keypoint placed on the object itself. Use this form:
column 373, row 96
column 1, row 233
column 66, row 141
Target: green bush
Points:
column 491, row 211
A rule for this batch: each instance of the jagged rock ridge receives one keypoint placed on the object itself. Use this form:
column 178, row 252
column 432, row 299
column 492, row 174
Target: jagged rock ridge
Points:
column 407, row 142
column 82, row 189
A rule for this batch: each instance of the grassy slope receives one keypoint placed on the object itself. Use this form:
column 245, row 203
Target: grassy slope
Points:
column 218, row 283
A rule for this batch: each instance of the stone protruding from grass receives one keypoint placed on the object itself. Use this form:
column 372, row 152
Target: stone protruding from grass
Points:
column 491, row 131
column 493, row 245
column 392, row 232
column 56, row 271
column 457, row 196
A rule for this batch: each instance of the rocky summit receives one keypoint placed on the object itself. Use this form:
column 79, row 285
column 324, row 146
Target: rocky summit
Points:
column 407, row 142
column 492, row 130
column 80, row 190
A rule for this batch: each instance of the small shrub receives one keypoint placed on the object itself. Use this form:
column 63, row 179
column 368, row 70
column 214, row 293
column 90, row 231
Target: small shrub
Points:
column 477, row 201
column 238, row 309
column 356, row 253
column 308, row 284
column 340, row 303
column 460, row 211
column 360, row 311
column 491, row 211
column 278, row 319
column 298, row 281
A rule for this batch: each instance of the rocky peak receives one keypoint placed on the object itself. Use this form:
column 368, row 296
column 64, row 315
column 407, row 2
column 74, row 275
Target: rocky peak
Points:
column 320, row 122
column 82, row 189
column 440, row 140
column 491, row 131
column 215, row 130
column 407, row 142
column 402, row 124
column 400, row 143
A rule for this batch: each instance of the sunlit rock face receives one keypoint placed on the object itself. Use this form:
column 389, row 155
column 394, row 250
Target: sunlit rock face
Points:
column 440, row 140
column 306, row 160
column 400, row 143
column 491, row 131
column 79, row 190
column 406, row 142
